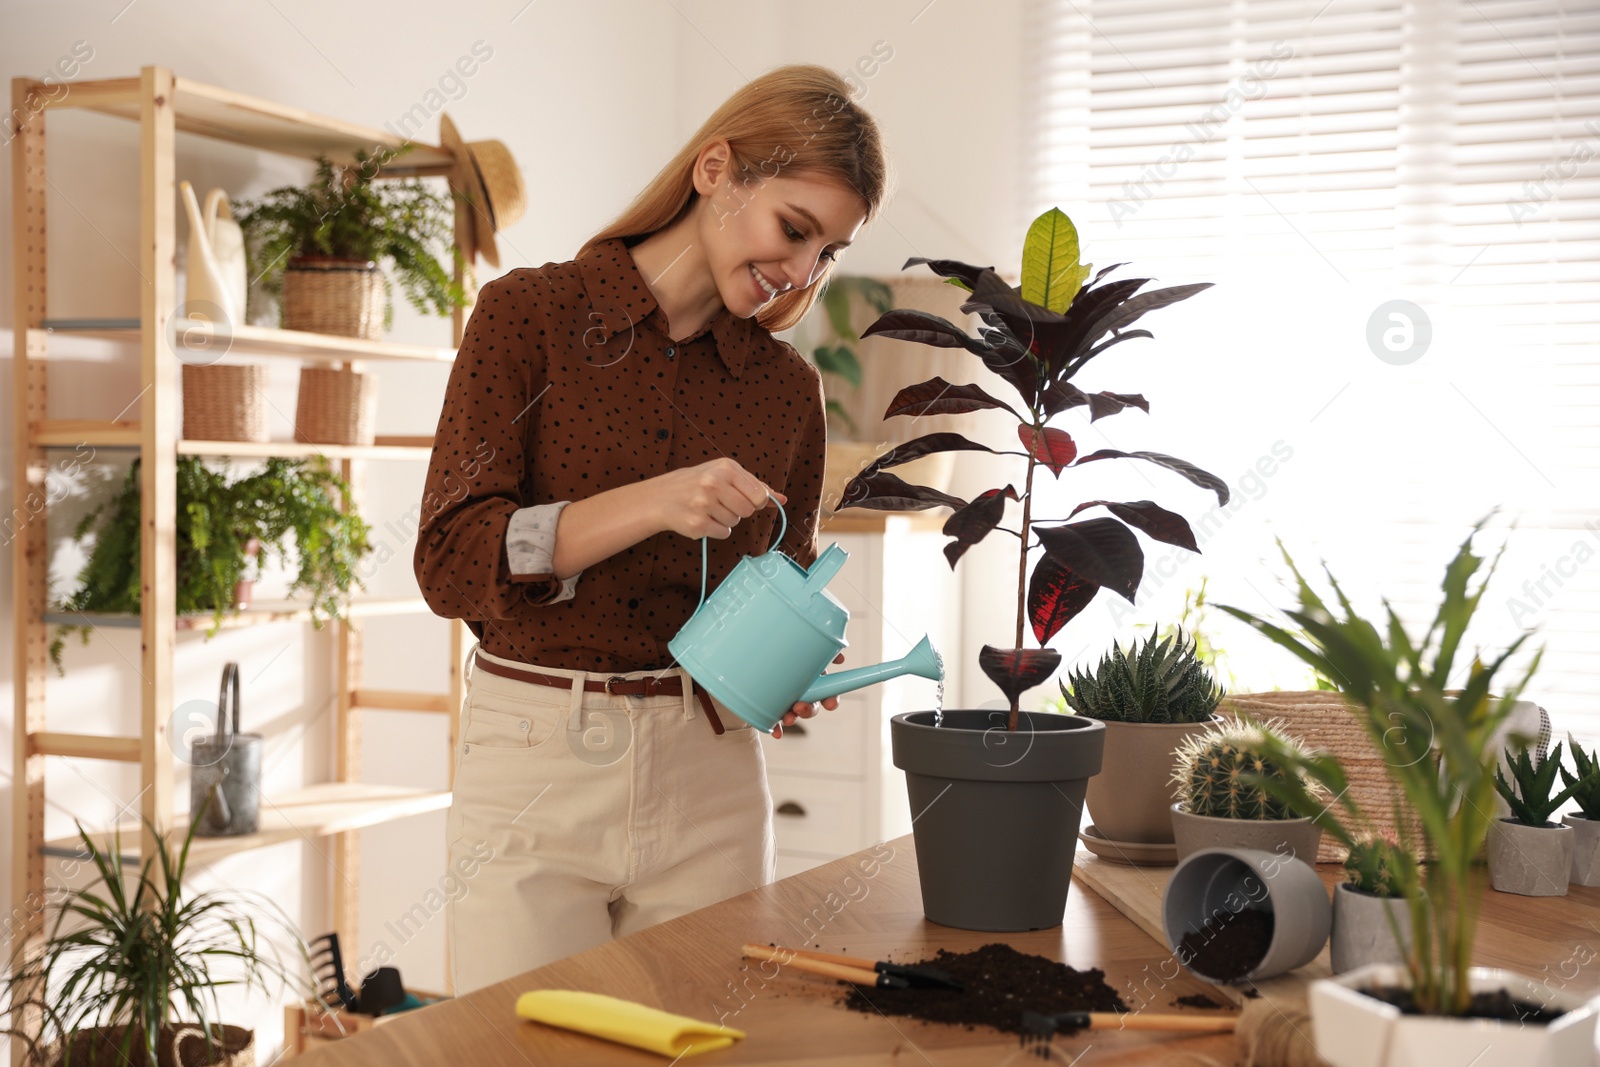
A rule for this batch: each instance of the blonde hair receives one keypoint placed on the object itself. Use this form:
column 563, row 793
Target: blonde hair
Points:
column 795, row 121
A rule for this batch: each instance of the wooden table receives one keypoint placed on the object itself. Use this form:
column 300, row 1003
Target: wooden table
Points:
column 869, row 904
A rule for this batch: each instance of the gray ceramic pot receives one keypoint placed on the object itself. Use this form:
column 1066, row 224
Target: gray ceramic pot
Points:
column 1296, row 838
column 1215, row 882
column 995, row 813
column 1535, row 861
column 1585, row 849
column 1129, row 798
column 1361, row 932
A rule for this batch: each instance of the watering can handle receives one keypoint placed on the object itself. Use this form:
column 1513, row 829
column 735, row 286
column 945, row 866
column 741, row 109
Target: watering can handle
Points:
column 783, row 528
column 230, row 683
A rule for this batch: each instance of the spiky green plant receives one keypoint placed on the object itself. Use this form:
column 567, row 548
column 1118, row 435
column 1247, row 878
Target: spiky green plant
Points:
column 1532, row 800
column 1377, row 865
column 1218, row 773
column 1439, row 741
column 1586, row 782
column 1163, row 681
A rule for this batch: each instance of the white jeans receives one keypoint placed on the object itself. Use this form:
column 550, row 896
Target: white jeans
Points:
column 578, row 817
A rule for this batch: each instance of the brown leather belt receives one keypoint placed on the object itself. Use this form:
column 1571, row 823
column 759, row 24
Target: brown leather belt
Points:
column 671, row 685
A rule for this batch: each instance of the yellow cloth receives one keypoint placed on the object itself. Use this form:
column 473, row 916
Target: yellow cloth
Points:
column 625, row 1021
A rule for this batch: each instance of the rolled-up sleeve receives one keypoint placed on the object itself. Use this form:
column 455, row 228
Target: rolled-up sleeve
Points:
column 805, row 479
column 481, row 452
column 531, row 546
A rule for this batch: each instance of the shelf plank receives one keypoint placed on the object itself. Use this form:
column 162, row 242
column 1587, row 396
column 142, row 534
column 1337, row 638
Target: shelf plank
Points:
column 100, row 433
column 255, row 615
column 86, row 746
column 225, row 115
column 399, row 700
column 303, row 814
column 205, row 339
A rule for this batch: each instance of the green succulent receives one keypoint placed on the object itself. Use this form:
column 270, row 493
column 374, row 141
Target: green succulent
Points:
column 1219, row 772
column 1586, row 783
column 1378, row 866
column 1532, row 801
column 1163, row 681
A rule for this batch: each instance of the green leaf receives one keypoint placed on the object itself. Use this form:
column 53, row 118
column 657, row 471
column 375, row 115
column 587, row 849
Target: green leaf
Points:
column 1051, row 273
column 839, row 360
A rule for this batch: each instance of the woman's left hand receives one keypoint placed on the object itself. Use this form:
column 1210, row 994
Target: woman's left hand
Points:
column 804, row 709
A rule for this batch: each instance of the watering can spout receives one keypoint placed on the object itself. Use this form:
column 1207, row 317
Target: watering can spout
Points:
column 922, row 661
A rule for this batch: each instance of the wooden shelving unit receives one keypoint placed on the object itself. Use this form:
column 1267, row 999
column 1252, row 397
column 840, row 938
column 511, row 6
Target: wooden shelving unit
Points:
column 163, row 104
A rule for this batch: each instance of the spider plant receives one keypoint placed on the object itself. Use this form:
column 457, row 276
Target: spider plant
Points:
column 1440, row 746
column 135, row 965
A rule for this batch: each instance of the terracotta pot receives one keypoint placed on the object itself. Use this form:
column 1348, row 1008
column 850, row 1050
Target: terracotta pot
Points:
column 1131, row 798
column 1533, row 861
column 1297, row 838
column 1361, row 931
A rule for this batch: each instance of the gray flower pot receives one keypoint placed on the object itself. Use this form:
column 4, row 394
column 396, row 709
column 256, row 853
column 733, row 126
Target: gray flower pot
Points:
column 1129, row 798
column 1361, row 932
column 1535, row 861
column 994, row 813
column 1585, row 849
column 1215, row 882
column 1297, row 838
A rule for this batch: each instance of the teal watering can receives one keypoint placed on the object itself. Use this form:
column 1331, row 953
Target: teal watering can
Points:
column 763, row 639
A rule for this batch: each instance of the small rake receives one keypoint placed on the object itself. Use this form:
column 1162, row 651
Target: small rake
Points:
column 1037, row 1027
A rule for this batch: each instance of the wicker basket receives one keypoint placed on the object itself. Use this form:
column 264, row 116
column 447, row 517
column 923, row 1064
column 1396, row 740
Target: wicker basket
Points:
column 337, row 296
column 1325, row 722
column 335, row 407
column 225, row 402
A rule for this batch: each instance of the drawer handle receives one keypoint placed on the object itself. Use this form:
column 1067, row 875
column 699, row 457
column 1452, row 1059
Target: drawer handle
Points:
column 789, row 807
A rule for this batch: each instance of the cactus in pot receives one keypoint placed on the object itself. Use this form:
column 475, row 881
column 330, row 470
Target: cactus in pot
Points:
column 1222, row 802
column 1529, row 854
column 1371, row 923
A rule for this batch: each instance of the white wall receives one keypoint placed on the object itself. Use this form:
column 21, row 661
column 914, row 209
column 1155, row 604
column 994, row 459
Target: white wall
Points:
column 591, row 98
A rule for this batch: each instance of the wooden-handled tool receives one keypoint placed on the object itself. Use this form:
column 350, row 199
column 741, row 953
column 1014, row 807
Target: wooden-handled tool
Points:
column 918, row 975
column 1037, row 1027
column 855, row 975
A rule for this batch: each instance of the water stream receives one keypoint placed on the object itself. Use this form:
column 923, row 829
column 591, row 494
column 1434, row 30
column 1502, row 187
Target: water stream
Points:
column 938, row 696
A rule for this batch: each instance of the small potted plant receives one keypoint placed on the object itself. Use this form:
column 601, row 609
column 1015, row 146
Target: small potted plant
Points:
column 996, row 852
column 1218, row 774
column 1152, row 699
column 129, row 974
column 1370, row 920
column 1585, row 822
column 1440, row 742
column 295, row 510
column 1528, row 853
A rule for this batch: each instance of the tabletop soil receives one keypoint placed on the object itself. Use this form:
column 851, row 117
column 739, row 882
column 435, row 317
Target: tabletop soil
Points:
column 1001, row 983
column 1197, row 1000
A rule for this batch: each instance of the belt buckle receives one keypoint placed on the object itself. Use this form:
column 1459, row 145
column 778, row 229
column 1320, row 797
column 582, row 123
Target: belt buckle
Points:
column 613, row 678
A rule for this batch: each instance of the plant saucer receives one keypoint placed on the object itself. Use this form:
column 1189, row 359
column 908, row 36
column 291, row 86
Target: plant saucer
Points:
column 1133, row 853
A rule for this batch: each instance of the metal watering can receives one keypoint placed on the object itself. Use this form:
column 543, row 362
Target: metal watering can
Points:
column 763, row 639
column 226, row 770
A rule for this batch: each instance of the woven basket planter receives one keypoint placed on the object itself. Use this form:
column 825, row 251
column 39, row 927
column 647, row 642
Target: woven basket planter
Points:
column 335, row 407
column 337, row 296
column 236, row 1045
column 225, row 402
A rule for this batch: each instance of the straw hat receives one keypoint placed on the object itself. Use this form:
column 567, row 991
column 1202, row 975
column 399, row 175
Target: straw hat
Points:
column 488, row 177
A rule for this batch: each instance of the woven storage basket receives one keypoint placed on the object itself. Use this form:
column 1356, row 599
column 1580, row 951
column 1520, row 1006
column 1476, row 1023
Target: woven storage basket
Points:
column 225, row 402
column 1325, row 722
column 335, row 407
column 337, row 296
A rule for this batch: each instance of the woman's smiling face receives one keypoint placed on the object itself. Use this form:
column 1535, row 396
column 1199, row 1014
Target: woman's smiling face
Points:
column 774, row 235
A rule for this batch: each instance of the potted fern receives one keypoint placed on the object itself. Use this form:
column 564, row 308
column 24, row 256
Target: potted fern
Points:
column 1152, row 699
column 1529, row 854
column 1440, row 744
column 996, row 852
column 1370, row 921
column 1585, row 822
column 297, row 511
column 1219, row 775
column 129, row 974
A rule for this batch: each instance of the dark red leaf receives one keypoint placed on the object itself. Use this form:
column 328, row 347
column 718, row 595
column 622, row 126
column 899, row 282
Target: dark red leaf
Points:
column 925, row 445
column 1055, row 595
column 1016, row 670
column 1150, row 517
column 938, row 397
column 1062, row 395
column 923, row 328
column 1115, row 339
column 972, row 524
column 1087, row 307
column 1204, row 479
column 1054, row 448
column 1103, row 404
column 882, row 491
column 966, row 273
column 1102, row 551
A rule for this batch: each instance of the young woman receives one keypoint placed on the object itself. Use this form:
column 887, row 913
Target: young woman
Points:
column 603, row 415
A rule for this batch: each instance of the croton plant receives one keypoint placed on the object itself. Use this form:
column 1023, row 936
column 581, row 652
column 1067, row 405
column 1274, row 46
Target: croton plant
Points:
column 1036, row 336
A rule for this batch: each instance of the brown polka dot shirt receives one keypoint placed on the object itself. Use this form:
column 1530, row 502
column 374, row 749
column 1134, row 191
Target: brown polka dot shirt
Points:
column 567, row 385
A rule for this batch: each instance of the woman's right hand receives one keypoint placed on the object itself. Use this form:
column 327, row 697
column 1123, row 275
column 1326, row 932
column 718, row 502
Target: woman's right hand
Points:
column 707, row 500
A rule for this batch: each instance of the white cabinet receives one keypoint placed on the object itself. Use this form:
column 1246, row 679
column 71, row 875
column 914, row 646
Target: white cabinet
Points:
column 835, row 788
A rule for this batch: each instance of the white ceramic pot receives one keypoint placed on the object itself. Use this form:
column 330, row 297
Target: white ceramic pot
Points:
column 1534, row 861
column 1351, row 1029
column 1585, row 849
column 1361, row 931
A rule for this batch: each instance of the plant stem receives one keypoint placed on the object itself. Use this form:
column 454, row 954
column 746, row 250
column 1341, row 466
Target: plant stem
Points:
column 1022, row 555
